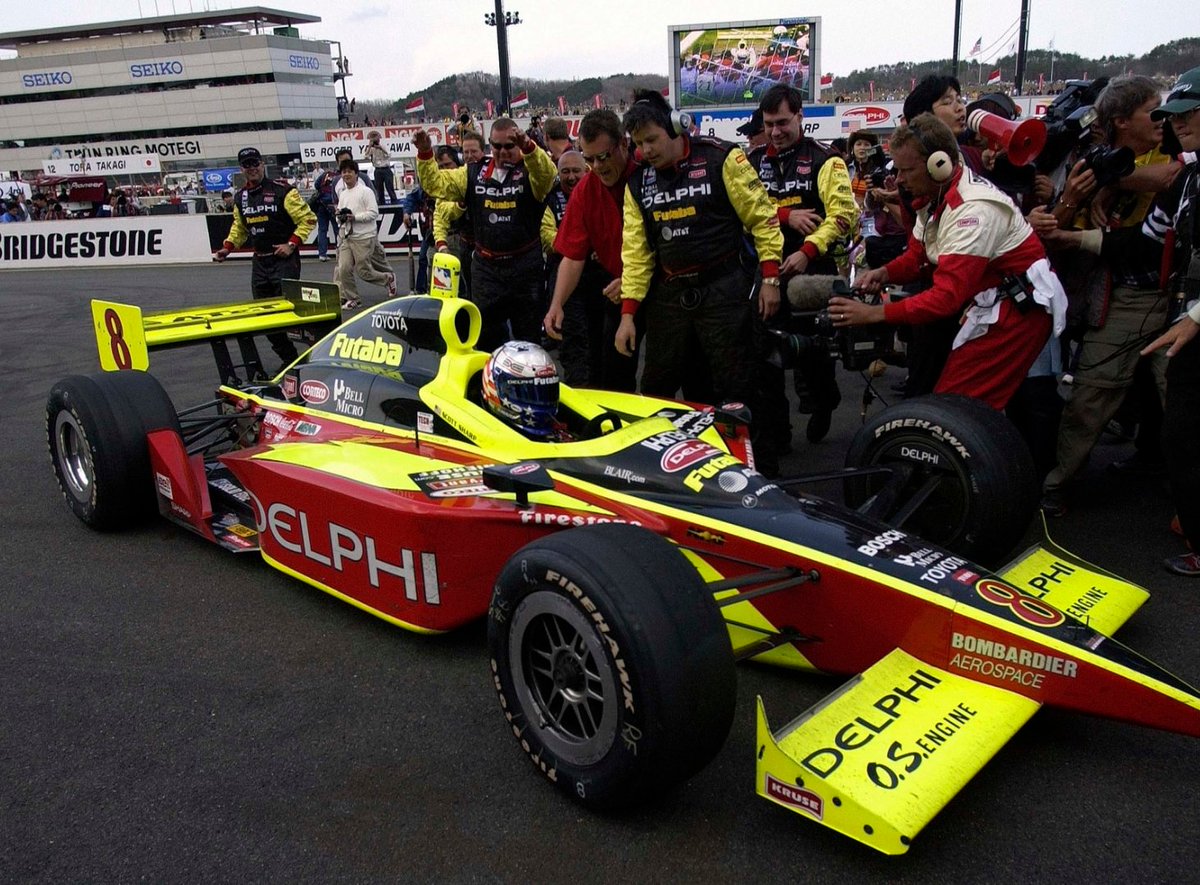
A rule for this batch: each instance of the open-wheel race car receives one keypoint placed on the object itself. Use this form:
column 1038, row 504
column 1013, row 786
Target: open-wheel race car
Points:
column 623, row 573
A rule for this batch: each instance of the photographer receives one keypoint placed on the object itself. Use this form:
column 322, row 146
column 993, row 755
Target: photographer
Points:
column 381, row 161
column 1119, row 301
column 988, row 270
column 357, row 214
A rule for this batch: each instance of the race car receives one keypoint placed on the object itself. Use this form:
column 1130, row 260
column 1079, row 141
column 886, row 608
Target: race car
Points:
column 623, row 573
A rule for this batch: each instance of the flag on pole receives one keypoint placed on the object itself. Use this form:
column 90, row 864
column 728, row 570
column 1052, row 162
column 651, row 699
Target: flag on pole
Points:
column 994, row 77
column 1041, row 84
column 1051, row 44
column 562, row 104
column 521, row 101
column 491, row 108
column 598, row 100
column 826, row 80
column 416, row 106
column 872, row 89
column 978, row 47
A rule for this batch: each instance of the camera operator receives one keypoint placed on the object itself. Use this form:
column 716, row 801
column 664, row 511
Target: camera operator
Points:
column 1120, row 301
column 988, row 269
column 1174, row 219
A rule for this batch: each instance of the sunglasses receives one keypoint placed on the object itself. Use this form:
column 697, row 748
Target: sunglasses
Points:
column 251, row 164
column 598, row 158
column 503, row 146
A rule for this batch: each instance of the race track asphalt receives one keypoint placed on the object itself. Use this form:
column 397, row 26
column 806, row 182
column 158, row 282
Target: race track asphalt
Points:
column 172, row 713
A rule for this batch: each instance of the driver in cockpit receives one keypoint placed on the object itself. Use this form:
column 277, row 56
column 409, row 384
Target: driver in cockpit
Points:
column 520, row 386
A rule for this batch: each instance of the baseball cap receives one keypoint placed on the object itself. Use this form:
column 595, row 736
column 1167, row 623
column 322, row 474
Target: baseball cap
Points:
column 753, row 126
column 1184, row 96
column 249, row 156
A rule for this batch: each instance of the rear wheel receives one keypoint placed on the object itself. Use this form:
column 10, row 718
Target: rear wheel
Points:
column 612, row 662
column 962, row 476
column 96, row 427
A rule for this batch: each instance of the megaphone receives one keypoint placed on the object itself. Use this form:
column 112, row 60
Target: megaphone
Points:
column 1021, row 141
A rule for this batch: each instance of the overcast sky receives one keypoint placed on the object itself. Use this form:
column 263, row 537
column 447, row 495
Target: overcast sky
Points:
column 399, row 46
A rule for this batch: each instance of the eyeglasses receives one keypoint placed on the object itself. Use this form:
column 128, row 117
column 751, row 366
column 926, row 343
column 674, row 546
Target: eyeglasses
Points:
column 598, row 158
column 503, row 146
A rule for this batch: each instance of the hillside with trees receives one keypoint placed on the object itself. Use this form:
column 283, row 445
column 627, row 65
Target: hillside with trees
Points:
column 1164, row 63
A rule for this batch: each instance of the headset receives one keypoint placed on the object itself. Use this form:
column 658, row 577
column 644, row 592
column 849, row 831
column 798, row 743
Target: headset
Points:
column 675, row 122
column 939, row 164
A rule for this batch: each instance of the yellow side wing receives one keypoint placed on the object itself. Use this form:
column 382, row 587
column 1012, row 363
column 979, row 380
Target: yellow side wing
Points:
column 878, row 758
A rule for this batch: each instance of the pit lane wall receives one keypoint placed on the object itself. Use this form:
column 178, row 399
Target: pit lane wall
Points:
column 144, row 240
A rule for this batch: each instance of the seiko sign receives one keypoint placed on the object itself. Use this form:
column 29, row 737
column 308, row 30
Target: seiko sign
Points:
column 47, row 78
column 172, row 68
column 304, row 62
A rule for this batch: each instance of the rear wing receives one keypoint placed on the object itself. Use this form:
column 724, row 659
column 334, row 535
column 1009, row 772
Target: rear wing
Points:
column 125, row 335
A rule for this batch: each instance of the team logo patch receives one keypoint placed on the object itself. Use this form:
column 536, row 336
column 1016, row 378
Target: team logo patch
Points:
column 684, row 454
column 969, row 221
column 314, row 392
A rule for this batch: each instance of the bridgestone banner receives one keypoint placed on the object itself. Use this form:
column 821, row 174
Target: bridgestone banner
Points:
column 100, row 242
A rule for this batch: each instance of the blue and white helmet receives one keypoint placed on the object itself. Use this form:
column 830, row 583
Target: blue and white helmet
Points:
column 520, row 385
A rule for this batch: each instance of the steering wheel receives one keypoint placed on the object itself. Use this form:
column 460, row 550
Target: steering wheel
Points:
column 595, row 425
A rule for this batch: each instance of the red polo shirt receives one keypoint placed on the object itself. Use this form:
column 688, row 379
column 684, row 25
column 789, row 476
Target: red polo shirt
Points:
column 593, row 221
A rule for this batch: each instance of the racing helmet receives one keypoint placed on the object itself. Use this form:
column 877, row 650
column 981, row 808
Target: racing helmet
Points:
column 520, row 385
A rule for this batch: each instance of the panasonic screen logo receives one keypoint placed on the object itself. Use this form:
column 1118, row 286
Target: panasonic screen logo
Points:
column 171, row 68
column 47, row 78
column 304, row 62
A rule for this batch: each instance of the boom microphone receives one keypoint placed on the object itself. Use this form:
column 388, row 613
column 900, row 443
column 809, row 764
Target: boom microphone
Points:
column 811, row 291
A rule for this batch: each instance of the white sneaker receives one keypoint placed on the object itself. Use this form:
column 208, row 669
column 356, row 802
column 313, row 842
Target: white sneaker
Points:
column 351, row 304
column 323, row 258
column 391, row 285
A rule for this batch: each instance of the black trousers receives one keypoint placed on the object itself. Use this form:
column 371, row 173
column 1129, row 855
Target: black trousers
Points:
column 508, row 293
column 588, row 353
column 267, row 273
column 1181, row 437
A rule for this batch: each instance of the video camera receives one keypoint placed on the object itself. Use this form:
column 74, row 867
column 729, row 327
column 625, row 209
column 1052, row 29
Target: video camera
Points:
column 856, row 346
column 1069, row 122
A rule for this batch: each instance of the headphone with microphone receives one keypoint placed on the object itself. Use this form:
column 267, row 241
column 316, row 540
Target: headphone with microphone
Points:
column 674, row 121
column 938, row 163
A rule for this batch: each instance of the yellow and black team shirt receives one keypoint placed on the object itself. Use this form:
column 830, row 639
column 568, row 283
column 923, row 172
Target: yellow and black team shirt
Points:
column 808, row 176
column 506, row 211
column 269, row 215
column 692, row 217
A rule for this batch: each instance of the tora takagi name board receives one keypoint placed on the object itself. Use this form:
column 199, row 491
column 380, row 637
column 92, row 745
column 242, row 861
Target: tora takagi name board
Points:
column 100, row 242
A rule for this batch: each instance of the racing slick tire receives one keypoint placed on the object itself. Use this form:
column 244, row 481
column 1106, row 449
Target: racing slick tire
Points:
column 986, row 488
column 96, row 426
column 612, row 662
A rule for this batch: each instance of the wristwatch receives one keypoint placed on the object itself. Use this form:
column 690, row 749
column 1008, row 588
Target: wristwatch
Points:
column 770, row 281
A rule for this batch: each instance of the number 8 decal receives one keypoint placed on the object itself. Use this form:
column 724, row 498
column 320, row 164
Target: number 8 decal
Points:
column 1030, row 610
column 116, row 335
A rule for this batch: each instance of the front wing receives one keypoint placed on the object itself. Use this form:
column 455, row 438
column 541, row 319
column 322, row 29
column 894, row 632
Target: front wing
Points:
column 878, row 758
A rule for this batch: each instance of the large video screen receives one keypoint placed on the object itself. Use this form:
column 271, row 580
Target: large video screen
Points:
column 726, row 64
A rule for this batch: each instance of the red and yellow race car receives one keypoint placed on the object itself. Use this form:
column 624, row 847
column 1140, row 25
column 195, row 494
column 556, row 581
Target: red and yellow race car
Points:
column 623, row 573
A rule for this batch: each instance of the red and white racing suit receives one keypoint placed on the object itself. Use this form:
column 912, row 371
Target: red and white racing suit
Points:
column 973, row 239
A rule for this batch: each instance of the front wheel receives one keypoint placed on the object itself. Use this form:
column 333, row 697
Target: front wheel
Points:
column 962, row 476
column 612, row 662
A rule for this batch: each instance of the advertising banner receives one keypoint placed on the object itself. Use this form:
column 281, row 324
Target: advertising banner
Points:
column 217, row 180
column 131, row 165
column 103, row 242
